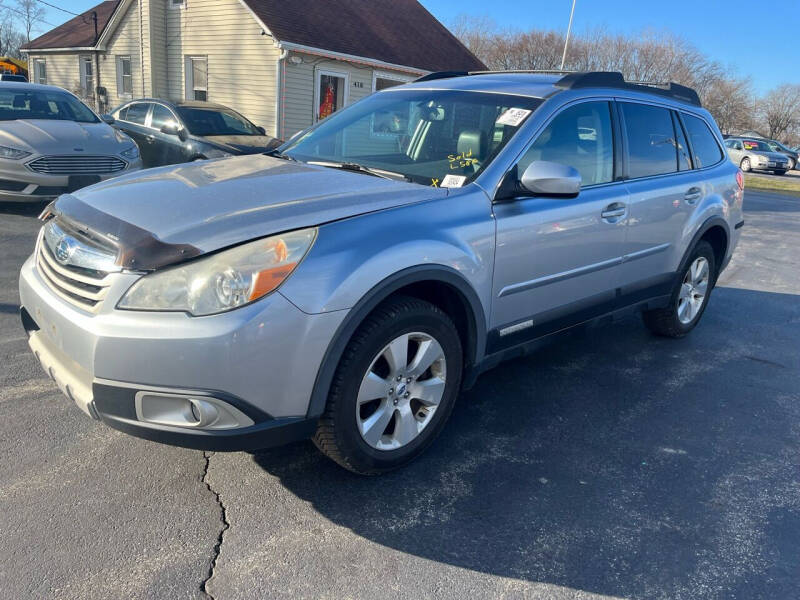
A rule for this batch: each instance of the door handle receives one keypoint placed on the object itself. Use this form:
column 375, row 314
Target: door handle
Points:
column 614, row 212
column 693, row 195
column 150, row 139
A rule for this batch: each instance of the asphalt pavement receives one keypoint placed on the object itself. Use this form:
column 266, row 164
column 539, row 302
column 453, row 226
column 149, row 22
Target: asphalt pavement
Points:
column 613, row 464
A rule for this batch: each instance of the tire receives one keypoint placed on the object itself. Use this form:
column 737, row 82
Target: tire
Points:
column 780, row 172
column 684, row 312
column 745, row 165
column 413, row 425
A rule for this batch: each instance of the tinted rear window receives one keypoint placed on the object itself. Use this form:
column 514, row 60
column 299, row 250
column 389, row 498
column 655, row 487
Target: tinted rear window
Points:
column 651, row 140
column 705, row 148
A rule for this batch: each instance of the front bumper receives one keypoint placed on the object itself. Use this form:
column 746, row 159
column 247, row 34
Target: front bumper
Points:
column 261, row 359
column 20, row 184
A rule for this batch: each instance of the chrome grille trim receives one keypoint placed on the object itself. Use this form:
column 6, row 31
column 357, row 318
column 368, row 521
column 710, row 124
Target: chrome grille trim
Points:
column 81, row 287
column 77, row 165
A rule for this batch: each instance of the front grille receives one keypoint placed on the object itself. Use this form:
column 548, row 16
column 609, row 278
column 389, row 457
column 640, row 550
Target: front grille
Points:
column 83, row 286
column 77, row 165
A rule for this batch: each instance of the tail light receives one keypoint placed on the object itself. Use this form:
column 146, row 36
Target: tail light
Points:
column 740, row 179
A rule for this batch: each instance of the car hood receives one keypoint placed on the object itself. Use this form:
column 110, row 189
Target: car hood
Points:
column 214, row 204
column 768, row 155
column 50, row 136
column 244, row 144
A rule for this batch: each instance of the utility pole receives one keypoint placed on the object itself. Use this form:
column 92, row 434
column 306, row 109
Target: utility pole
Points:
column 569, row 30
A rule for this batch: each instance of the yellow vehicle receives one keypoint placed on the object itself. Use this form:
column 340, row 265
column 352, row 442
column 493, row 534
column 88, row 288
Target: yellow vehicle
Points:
column 14, row 66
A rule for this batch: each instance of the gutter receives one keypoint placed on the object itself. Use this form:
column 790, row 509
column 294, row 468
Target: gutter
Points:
column 350, row 58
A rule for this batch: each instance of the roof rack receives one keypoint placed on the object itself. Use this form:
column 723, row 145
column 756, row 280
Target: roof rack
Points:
column 572, row 80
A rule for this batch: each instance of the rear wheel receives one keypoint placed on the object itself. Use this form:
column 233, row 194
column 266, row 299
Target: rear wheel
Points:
column 689, row 298
column 394, row 388
column 780, row 172
column 745, row 165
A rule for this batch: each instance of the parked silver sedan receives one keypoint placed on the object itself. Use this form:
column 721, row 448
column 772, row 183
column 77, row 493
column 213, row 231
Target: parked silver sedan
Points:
column 755, row 155
column 51, row 143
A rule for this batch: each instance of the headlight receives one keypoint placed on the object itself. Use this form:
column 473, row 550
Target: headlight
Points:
column 12, row 153
column 131, row 152
column 224, row 281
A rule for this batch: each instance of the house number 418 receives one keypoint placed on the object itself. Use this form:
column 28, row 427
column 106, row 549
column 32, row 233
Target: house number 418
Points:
column 358, row 84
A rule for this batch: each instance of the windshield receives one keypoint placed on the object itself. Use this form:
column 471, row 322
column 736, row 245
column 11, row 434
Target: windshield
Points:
column 754, row 145
column 214, row 121
column 43, row 105
column 433, row 137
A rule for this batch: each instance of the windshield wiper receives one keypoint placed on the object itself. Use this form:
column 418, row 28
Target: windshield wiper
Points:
column 357, row 168
column 278, row 154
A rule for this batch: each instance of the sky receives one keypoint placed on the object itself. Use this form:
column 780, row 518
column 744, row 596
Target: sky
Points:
column 753, row 40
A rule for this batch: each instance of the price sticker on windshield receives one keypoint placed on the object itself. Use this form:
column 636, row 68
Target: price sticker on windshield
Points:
column 453, row 181
column 513, row 117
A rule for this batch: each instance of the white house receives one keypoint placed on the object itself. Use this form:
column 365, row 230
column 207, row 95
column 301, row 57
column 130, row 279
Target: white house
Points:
column 282, row 63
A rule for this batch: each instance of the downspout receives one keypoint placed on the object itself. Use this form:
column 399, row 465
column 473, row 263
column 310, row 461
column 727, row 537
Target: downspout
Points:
column 141, row 47
column 279, row 84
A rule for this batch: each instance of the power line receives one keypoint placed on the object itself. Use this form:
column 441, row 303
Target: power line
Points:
column 69, row 12
column 22, row 14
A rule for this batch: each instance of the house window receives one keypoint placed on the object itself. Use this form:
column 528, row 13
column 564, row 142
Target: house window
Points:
column 176, row 3
column 39, row 71
column 87, row 76
column 332, row 93
column 382, row 81
column 197, row 78
column 124, row 76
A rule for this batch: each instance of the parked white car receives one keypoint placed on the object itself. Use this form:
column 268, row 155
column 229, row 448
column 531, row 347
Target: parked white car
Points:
column 51, row 143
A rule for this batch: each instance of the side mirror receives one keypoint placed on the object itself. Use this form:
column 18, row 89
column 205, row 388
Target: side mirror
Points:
column 261, row 130
column 108, row 119
column 543, row 178
column 172, row 128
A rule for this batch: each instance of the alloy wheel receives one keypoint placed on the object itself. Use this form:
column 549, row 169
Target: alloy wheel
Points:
column 693, row 290
column 401, row 390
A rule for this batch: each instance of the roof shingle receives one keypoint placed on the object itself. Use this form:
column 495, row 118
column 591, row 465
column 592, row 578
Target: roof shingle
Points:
column 400, row 32
column 78, row 32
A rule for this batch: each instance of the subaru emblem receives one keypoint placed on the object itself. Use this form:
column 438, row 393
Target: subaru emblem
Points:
column 64, row 249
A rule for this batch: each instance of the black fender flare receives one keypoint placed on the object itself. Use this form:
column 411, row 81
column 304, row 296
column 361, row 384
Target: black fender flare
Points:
column 712, row 221
column 376, row 295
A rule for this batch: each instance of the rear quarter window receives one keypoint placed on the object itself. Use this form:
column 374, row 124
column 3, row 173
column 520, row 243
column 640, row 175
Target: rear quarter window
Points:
column 705, row 149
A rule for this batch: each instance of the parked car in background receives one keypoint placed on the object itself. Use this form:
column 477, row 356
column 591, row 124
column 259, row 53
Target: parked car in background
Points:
column 13, row 77
column 348, row 285
column 176, row 132
column 776, row 146
column 756, row 155
column 52, row 143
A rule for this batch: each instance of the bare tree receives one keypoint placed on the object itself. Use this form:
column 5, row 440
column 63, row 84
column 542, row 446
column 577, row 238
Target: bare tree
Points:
column 780, row 112
column 31, row 13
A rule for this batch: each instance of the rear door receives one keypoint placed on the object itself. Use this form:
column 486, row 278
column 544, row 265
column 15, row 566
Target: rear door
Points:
column 557, row 260
column 132, row 119
column 666, row 155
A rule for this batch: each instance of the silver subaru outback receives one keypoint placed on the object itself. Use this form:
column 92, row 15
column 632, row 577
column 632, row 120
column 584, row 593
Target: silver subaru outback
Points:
column 349, row 285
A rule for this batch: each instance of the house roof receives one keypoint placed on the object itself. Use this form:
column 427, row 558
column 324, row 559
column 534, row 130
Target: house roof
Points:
column 401, row 32
column 78, row 32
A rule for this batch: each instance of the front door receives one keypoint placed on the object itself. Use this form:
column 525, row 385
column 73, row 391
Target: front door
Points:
column 332, row 93
column 557, row 260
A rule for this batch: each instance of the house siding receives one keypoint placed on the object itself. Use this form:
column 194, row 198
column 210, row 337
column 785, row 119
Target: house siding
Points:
column 300, row 82
column 62, row 69
column 123, row 42
column 241, row 61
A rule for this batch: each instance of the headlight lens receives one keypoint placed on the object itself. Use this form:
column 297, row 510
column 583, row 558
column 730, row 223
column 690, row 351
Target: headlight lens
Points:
column 12, row 153
column 131, row 152
column 224, row 281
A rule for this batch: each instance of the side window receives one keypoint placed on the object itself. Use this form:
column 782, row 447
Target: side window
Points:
column 137, row 113
column 684, row 161
column 161, row 115
column 705, row 148
column 580, row 136
column 651, row 140
column 122, row 114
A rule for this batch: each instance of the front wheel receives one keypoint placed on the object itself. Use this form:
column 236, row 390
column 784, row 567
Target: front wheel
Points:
column 780, row 172
column 745, row 165
column 689, row 298
column 394, row 388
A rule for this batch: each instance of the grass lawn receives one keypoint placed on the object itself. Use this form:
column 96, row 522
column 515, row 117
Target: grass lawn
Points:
column 774, row 184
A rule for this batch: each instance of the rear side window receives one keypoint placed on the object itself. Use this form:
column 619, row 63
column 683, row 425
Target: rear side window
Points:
column 580, row 136
column 705, row 149
column 137, row 113
column 161, row 116
column 651, row 140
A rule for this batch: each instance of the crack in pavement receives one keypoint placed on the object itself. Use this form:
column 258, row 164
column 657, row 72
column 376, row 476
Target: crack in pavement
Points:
column 223, row 517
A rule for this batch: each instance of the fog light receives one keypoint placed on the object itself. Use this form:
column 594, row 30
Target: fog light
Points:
column 191, row 412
